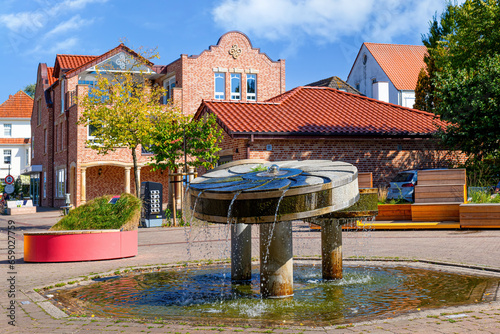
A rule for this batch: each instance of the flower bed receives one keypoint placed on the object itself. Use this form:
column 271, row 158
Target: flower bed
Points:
column 86, row 245
column 102, row 229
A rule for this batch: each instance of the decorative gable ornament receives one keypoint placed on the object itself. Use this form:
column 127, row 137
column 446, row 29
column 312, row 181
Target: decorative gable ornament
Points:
column 235, row 51
column 121, row 62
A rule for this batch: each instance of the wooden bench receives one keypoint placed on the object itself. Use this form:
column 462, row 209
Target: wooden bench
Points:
column 480, row 215
column 435, row 212
column 394, row 212
column 441, row 186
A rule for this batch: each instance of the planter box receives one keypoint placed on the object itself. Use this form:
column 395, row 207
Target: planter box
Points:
column 435, row 212
column 87, row 245
column 394, row 212
column 480, row 215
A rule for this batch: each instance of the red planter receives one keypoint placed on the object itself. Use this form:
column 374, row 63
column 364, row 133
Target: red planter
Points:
column 71, row 246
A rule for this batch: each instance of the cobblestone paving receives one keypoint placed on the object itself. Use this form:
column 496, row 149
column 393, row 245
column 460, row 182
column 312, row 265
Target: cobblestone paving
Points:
column 34, row 314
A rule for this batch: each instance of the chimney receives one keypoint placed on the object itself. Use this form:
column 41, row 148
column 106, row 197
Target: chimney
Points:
column 380, row 90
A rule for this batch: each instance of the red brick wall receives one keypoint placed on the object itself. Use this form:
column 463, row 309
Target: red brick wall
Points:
column 383, row 157
column 195, row 74
column 41, row 156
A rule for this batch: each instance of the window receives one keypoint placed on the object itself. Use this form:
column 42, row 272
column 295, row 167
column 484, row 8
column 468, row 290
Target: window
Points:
column 32, row 147
column 62, row 138
column 169, row 85
column 7, row 155
column 60, row 182
column 251, row 87
column 27, row 156
column 91, row 130
column 7, row 130
column 220, row 86
column 63, row 86
column 39, row 111
column 235, row 86
column 45, row 140
column 57, row 135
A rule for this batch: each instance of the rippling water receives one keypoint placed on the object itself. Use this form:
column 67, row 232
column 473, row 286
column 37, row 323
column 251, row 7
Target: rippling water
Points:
column 208, row 295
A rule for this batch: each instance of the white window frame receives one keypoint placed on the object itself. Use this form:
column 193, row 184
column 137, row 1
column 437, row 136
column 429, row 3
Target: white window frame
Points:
column 7, row 154
column 7, row 129
column 220, row 95
column 169, row 85
column 60, row 182
column 252, row 96
column 63, row 86
column 235, row 95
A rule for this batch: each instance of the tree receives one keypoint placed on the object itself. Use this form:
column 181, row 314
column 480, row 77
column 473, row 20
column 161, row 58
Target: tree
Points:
column 120, row 108
column 30, row 89
column 470, row 101
column 467, row 84
column 177, row 136
column 438, row 29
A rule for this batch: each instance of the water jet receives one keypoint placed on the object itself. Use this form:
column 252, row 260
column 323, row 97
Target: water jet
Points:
column 272, row 199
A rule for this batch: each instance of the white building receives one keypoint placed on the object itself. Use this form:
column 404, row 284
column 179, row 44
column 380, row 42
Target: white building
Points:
column 15, row 133
column 388, row 72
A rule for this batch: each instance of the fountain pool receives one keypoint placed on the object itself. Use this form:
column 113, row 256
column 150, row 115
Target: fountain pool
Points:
column 207, row 295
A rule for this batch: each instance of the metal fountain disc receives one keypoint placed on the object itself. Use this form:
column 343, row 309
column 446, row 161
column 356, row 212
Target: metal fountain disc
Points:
column 283, row 191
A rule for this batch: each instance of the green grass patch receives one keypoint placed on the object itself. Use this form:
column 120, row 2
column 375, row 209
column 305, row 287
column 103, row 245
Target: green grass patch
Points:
column 98, row 214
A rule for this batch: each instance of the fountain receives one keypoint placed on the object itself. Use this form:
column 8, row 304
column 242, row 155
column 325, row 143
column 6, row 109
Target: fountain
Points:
column 240, row 195
column 286, row 191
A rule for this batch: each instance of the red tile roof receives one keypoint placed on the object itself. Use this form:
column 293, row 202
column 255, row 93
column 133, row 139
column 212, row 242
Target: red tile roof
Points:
column 401, row 63
column 19, row 105
column 15, row 141
column 69, row 62
column 321, row 111
column 50, row 75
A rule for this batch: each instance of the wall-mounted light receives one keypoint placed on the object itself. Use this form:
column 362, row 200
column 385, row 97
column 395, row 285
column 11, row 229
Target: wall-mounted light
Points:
column 99, row 171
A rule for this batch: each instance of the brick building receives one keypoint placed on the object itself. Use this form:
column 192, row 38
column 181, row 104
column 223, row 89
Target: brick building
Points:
column 325, row 123
column 63, row 163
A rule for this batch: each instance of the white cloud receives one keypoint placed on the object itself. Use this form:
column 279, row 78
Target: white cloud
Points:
column 65, row 46
column 327, row 21
column 22, row 22
column 73, row 23
column 28, row 23
column 39, row 24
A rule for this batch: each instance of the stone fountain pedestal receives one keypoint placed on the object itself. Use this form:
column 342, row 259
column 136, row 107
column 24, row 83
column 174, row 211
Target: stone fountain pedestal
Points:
column 240, row 194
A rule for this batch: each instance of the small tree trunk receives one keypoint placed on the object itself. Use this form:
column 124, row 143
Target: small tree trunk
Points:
column 136, row 177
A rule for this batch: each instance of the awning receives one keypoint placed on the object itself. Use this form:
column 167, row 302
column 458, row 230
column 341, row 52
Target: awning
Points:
column 33, row 169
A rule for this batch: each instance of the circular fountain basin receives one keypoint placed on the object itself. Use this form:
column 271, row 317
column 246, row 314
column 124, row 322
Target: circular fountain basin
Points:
column 206, row 295
column 253, row 193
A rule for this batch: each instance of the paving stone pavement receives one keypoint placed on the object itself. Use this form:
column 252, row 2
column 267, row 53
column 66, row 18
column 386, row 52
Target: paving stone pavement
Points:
column 160, row 246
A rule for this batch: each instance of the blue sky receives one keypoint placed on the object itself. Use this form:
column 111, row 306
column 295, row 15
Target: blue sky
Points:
column 318, row 38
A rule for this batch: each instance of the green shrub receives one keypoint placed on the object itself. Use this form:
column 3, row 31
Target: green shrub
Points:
column 98, row 214
column 484, row 197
